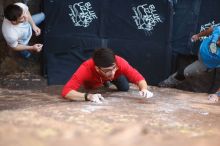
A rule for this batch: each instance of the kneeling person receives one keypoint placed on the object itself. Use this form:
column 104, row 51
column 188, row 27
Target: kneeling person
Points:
column 104, row 66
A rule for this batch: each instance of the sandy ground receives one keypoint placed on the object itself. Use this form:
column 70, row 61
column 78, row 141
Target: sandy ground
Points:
column 172, row 117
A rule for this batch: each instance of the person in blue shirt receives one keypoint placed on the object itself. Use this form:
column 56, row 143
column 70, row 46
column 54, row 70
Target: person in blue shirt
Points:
column 209, row 49
column 17, row 28
column 208, row 58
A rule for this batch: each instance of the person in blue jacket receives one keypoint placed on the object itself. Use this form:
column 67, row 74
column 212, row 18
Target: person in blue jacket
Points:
column 208, row 58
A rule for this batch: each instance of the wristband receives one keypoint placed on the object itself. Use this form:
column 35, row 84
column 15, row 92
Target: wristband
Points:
column 86, row 97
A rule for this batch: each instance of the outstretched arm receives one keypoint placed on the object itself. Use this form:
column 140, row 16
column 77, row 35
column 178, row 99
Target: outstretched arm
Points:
column 73, row 94
column 143, row 89
column 78, row 78
column 142, row 85
column 35, row 47
column 206, row 32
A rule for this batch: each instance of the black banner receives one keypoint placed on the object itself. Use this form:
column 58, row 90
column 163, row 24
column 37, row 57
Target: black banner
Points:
column 138, row 30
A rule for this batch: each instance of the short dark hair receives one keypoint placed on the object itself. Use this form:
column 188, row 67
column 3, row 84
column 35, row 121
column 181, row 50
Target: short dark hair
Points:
column 104, row 57
column 12, row 12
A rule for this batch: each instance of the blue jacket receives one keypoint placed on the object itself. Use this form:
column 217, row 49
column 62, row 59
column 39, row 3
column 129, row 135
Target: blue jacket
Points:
column 209, row 59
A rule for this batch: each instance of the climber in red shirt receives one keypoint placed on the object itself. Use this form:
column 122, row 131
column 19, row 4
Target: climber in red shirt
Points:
column 104, row 66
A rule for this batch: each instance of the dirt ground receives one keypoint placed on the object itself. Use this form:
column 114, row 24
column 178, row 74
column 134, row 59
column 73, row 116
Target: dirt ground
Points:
column 40, row 117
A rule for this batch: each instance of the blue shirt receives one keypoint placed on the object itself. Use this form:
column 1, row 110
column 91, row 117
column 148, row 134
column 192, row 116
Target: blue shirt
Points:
column 210, row 60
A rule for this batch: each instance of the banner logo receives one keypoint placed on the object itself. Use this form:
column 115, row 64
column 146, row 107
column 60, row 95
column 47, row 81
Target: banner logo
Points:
column 145, row 17
column 82, row 14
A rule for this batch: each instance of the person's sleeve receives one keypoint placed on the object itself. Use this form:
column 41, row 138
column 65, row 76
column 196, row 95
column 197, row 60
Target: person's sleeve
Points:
column 23, row 6
column 12, row 42
column 76, row 80
column 215, row 34
column 11, row 38
column 131, row 73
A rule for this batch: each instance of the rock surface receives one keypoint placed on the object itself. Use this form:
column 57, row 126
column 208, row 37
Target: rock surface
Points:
column 41, row 117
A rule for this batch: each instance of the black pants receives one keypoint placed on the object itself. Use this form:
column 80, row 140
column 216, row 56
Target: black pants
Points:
column 121, row 83
column 180, row 63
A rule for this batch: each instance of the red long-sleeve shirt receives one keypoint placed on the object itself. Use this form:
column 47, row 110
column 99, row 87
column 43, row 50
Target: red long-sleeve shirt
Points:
column 87, row 76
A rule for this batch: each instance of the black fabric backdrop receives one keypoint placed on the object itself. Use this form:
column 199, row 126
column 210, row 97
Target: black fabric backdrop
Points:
column 209, row 15
column 188, row 17
column 66, row 46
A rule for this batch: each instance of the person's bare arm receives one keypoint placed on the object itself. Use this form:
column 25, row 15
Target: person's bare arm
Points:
column 142, row 85
column 206, row 32
column 34, row 27
column 73, row 94
column 35, row 47
column 20, row 47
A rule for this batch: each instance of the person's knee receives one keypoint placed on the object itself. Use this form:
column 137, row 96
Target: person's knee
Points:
column 191, row 70
column 38, row 18
column 186, row 73
column 124, row 87
column 42, row 15
column 194, row 69
column 121, row 83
